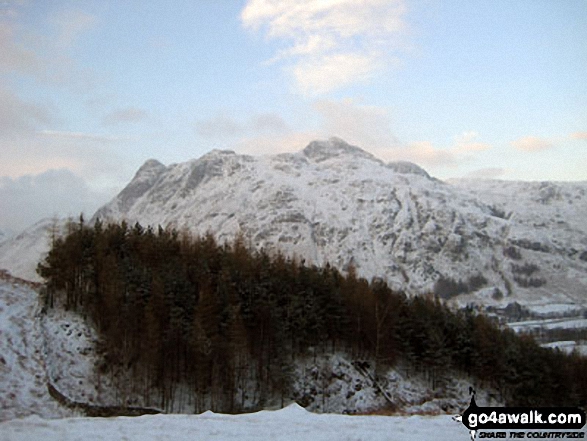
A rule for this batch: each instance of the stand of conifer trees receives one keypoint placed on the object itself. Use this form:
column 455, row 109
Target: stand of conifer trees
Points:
column 183, row 320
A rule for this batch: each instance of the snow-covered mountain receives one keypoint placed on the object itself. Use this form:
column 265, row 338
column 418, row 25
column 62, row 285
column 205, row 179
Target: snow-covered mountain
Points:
column 330, row 202
column 21, row 254
column 333, row 202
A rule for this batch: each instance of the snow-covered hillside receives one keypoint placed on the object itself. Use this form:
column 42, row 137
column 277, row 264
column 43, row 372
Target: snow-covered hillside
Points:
column 21, row 254
column 58, row 348
column 23, row 380
column 332, row 202
column 42, row 347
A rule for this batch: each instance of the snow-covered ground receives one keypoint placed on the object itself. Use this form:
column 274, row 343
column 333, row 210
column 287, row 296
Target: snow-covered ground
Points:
column 568, row 346
column 23, row 383
column 559, row 323
column 21, row 254
column 59, row 348
column 291, row 423
column 553, row 309
column 71, row 359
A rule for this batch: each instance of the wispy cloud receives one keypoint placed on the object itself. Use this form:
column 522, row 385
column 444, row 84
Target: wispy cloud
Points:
column 319, row 75
column 220, row 126
column 79, row 136
column 43, row 54
column 364, row 125
column 423, row 153
column 14, row 55
column 531, row 144
column 579, row 135
column 468, row 142
column 18, row 116
column 330, row 44
column 225, row 127
column 69, row 25
column 268, row 122
column 96, row 157
column 124, row 116
column 369, row 127
column 28, row 198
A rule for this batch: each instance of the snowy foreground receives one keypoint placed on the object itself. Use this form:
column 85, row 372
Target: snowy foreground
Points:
column 291, row 423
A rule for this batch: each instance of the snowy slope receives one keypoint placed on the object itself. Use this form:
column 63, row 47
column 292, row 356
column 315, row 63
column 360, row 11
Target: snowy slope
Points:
column 58, row 347
column 23, row 381
column 21, row 254
column 333, row 202
column 291, row 423
column 71, row 358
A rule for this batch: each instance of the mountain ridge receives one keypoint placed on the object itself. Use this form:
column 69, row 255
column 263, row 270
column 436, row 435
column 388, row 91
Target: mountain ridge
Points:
column 333, row 202
column 492, row 242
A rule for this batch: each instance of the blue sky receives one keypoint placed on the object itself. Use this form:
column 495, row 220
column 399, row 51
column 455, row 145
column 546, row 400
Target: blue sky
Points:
column 89, row 90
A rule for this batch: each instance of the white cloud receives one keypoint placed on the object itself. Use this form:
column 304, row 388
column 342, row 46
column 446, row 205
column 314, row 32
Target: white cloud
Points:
column 319, row 75
column 371, row 128
column 468, row 142
column 330, row 43
column 531, row 144
column 423, row 153
column 94, row 156
column 27, row 199
column 368, row 127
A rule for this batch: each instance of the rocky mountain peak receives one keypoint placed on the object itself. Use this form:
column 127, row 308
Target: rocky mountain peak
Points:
column 145, row 177
column 217, row 153
column 333, row 202
column 150, row 167
column 406, row 167
column 319, row 151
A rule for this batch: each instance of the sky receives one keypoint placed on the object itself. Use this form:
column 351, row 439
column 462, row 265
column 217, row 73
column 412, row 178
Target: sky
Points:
column 89, row 90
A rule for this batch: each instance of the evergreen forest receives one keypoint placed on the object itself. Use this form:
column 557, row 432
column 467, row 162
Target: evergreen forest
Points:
column 228, row 323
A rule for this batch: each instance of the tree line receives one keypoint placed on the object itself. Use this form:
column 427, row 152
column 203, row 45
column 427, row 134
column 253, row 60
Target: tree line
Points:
column 185, row 320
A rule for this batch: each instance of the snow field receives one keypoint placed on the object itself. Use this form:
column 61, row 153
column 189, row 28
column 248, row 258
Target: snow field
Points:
column 291, row 423
column 23, row 383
